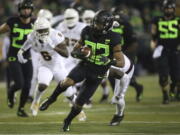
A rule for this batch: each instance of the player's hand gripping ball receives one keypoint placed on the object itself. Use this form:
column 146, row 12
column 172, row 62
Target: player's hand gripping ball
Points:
column 86, row 51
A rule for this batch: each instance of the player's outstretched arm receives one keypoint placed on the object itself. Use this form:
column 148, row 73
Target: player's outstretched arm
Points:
column 62, row 49
column 4, row 28
column 153, row 42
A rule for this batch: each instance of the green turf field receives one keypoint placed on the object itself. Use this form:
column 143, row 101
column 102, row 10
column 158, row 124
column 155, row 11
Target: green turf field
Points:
column 148, row 117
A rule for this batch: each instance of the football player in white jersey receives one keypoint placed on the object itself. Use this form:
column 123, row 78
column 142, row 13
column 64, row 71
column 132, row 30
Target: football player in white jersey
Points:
column 44, row 13
column 71, row 29
column 87, row 16
column 49, row 43
column 121, row 86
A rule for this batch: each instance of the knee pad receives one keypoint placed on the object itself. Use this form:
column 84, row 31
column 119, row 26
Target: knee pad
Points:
column 163, row 81
column 42, row 87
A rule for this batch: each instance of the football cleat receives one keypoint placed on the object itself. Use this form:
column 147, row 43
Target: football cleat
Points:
column 45, row 104
column 34, row 108
column 165, row 98
column 172, row 96
column 139, row 93
column 66, row 126
column 116, row 120
column 82, row 116
column 21, row 113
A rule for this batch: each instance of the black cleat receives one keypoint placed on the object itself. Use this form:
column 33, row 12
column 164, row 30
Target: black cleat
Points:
column 165, row 101
column 22, row 113
column 116, row 120
column 104, row 98
column 172, row 96
column 66, row 126
column 139, row 93
column 165, row 98
column 11, row 99
column 45, row 104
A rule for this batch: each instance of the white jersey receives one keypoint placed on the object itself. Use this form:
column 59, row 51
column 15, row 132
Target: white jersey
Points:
column 72, row 36
column 49, row 57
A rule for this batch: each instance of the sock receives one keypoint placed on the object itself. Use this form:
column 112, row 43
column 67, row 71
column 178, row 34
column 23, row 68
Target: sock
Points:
column 105, row 91
column 73, row 113
column 37, row 96
column 57, row 92
column 120, row 107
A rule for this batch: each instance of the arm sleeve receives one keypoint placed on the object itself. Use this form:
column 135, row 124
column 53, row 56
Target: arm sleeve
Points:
column 115, row 39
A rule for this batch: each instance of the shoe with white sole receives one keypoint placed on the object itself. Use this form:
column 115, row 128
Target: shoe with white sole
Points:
column 35, row 108
column 82, row 116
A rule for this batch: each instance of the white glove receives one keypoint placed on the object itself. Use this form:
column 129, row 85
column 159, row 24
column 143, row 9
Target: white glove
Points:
column 157, row 52
column 20, row 56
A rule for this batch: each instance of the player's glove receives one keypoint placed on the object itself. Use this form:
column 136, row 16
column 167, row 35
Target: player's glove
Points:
column 77, row 53
column 20, row 56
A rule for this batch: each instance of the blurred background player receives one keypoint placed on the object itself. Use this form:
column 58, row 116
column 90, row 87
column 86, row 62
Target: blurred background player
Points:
column 49, row 43
column 19, row 27
column 165, row 35
column 87, row 17
column 71, row 28
column 129, row 44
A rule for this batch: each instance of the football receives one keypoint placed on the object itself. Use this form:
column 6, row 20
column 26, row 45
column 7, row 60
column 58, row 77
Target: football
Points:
column 86, row 51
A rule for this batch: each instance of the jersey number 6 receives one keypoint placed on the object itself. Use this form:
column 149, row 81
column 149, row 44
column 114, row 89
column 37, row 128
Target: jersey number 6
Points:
column 46, row 56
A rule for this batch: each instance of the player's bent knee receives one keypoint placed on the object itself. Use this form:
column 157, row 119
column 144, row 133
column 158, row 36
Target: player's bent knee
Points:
column 42, row 87
column 67, row 83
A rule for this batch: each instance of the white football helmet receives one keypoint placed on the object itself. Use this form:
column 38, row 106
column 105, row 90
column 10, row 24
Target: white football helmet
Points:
column 71, row 17
column 88, row 16
column 46, row 14
column 42, row 29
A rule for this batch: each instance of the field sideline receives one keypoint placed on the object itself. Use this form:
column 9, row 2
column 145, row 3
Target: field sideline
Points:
column 149, row 117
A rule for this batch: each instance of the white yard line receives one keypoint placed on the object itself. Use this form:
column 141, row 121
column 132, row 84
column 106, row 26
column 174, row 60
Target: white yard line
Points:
column 100, row 134
column 96, row 110
column 92, row 122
